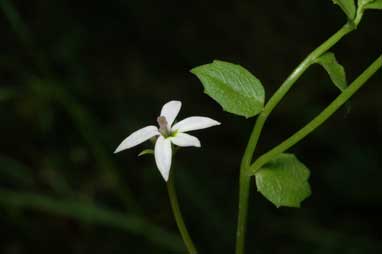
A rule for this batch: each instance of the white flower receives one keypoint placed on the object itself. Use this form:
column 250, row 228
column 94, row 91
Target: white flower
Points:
column 168, row 135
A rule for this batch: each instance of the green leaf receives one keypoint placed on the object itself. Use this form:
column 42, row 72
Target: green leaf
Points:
column 347, row 6
column 335, row 70
column 233, row 87
column 284, row 181
column 376, row 5
column 146, row 151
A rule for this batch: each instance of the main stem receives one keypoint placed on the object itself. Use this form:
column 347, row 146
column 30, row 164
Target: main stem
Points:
column 321, row 118
column 178, row 216
column 245, row 176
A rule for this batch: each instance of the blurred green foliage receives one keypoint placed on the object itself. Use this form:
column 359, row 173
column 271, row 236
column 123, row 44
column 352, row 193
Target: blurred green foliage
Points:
column 76, row 77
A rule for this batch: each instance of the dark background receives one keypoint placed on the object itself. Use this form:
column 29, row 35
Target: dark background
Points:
column 76, row 77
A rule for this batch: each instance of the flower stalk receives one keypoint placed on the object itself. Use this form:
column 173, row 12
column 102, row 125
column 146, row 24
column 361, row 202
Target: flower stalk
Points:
column 167, row 137
column 178, row 215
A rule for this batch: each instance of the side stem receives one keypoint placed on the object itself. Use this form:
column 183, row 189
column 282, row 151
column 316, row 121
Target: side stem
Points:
column 321, row 118
column 178, row 215
column 294, row 76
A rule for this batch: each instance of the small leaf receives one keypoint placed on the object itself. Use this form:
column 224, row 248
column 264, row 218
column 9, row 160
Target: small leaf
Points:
column 233, row 87
column 347, row 6
column 376, row 5
column 284, row 181
column 146, row 151
column 335, row 70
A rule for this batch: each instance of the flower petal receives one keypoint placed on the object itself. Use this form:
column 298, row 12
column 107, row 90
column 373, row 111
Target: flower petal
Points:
column 194, row 123
column 170, row 110
column 138, row 137
column 184, row 140
column 163, row 154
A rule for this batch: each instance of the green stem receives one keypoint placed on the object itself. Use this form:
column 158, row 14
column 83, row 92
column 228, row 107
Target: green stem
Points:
column 321, row 118
column 244, row 188
column 256, row 132
column 245, row 185
column 178, row 216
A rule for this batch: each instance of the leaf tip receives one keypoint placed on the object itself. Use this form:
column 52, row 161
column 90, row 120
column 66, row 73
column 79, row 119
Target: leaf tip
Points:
column 194, row 70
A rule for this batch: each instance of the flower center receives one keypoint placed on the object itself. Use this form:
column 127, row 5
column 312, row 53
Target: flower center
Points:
column 163, row 126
